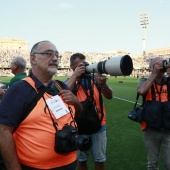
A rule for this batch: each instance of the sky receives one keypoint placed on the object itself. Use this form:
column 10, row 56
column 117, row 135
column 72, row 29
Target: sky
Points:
column 87, row 25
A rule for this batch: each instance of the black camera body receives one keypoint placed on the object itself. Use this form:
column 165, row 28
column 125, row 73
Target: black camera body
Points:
column 68, row 140
column 85, row 63
column 165, row 63
column 86, row 74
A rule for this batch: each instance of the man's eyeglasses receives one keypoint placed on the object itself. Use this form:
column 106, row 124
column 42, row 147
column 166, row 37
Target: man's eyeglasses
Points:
column 49, row 54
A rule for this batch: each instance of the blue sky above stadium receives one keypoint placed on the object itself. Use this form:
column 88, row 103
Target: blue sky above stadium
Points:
column 87, row 25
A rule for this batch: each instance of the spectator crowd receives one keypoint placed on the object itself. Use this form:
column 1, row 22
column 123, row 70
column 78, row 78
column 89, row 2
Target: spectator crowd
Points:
column 140, row 63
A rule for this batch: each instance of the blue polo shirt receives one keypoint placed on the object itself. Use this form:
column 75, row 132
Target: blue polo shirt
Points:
column 18, row 97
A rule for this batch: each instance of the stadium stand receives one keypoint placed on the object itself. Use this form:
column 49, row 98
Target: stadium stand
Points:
column 12, row 47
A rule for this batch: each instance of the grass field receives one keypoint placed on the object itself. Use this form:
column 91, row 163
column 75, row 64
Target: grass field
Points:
column 125, row 148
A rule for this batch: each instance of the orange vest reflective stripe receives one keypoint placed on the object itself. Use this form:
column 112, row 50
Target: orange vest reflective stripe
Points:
column 35, row 137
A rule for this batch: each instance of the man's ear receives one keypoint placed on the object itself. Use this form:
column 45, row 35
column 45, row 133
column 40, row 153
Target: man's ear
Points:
column 33, row 59
column 71, row 66
column 16, row 65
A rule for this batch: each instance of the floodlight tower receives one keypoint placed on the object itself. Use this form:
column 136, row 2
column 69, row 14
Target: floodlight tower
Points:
column 144, row 22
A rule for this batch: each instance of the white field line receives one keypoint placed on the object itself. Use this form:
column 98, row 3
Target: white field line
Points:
column 124, row 100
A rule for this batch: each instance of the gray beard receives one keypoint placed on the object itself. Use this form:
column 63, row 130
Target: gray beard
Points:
column 52, row 71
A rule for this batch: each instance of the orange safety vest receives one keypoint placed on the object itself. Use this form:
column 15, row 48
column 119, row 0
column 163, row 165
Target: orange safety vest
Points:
column 35, row 137
column 163, row 97
column 82, row 96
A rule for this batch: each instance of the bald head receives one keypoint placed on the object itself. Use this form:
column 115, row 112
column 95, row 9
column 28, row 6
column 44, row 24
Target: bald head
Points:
column 153, row 61
column 35, row 46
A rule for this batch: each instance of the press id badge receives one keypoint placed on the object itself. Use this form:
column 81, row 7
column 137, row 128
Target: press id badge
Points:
column 57, row 106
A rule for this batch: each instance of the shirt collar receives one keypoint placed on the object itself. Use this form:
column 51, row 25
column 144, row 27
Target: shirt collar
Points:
column 50, row 88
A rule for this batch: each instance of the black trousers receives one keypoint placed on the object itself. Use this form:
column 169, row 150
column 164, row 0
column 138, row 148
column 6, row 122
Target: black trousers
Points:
column 71, row 166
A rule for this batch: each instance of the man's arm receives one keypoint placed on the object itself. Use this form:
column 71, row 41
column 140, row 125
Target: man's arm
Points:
column 79, row 70
column 105, row 89
column 145, row 86
column 7, row 148
column 107, row 92
column 70, row 98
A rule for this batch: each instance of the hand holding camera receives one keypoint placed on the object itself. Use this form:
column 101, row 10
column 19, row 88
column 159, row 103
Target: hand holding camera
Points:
column 101, row 79
column 79, row 70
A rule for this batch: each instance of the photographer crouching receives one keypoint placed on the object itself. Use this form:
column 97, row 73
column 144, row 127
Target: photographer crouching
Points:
column 89, row 90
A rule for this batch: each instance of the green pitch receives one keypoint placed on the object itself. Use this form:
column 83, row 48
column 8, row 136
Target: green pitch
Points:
column 125, row 148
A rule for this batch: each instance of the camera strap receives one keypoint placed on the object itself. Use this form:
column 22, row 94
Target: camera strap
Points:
column 60, row 86
column 158, row 92
column 55, row 124
column 100, row 95
column 31, row 105
column 89, row 84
